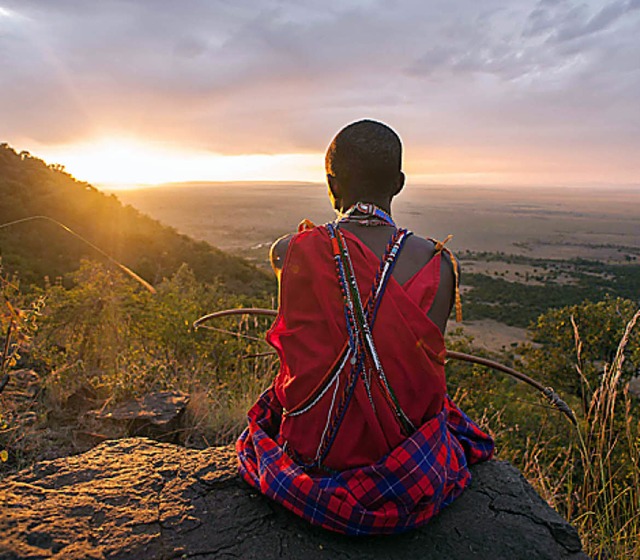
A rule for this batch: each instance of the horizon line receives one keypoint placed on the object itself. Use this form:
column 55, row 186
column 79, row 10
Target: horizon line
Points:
column 114, row 187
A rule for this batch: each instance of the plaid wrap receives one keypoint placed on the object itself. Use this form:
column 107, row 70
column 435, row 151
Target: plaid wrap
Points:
column 403, row 490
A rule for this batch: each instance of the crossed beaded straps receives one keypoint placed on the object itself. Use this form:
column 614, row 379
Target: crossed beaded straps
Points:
column 359, row 347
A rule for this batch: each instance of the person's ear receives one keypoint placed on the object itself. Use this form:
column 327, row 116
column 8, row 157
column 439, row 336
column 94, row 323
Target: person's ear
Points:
column 334, row 191
column 399, row 184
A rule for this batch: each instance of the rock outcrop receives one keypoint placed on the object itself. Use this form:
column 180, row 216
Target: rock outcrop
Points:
column 139, row 499
column 156, row 415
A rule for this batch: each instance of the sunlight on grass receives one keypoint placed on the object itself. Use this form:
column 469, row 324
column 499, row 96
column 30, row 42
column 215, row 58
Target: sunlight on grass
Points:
column 607, row 511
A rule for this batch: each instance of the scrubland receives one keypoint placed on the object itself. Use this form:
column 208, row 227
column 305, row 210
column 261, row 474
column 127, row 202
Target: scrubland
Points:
column 89, row 337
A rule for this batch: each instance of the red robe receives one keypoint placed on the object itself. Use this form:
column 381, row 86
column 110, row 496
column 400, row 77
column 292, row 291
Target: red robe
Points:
column 310, row 333
column 376, row 480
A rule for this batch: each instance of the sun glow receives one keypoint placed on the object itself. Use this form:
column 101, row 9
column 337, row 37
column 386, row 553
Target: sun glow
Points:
column 122, row 163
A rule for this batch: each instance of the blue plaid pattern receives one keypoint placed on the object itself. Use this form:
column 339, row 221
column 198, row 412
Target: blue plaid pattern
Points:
column 403, row 490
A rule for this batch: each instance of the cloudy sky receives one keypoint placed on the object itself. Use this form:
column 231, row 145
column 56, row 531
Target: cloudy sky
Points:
column 493, row 91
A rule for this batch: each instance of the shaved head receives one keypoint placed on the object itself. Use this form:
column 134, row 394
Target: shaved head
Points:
column 366, row 158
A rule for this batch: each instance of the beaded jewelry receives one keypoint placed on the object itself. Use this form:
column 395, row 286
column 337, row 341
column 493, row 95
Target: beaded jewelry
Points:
column 366, row 214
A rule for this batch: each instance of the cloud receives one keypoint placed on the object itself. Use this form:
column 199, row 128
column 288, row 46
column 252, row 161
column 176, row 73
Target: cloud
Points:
column 578, row 22
column 284, row 76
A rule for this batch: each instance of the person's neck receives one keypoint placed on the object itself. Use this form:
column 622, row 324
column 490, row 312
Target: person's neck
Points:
column 384, row 205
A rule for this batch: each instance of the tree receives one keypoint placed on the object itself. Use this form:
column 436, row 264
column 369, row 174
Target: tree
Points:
column 581, row 338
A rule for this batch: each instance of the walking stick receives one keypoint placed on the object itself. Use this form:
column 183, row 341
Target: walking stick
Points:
column 548, row 392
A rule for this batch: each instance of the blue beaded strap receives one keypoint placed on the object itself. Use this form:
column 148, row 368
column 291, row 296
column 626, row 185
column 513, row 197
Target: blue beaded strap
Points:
column 333, row 376
column 367, row 343
column 360, row 347
column 385, row 271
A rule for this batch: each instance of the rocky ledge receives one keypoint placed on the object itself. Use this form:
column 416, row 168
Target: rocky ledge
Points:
column 139, row 499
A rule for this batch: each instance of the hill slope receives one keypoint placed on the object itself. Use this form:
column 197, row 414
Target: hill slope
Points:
column 29, row 187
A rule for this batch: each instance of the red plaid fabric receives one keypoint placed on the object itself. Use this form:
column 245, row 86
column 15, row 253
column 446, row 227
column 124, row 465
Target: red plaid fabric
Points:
column 403, row 490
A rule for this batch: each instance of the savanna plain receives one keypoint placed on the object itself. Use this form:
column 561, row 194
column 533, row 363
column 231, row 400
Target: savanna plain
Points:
column 542, row 222
column 510, row 233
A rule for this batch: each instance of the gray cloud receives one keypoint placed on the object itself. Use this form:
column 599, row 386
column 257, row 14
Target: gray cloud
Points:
column 578, row 22
column 277, row 76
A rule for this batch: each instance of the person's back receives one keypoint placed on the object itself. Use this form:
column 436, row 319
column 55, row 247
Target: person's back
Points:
column 357, row 420
column 311, row 335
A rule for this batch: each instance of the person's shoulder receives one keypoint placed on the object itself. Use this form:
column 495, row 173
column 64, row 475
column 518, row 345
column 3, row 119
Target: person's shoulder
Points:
column 425, row 249
column 422, row 245
column 280, row 246
column 421, row 248
column 278, row 251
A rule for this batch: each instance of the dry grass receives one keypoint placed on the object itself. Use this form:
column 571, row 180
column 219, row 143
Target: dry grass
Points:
column 218, row 415
column 607, row 510
column 595, row 481
column 591, row 474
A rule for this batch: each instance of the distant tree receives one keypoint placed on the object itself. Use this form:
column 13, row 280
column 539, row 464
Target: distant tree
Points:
column 599, row 326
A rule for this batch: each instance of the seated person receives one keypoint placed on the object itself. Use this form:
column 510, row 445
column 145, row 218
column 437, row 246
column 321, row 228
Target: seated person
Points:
column 357, row 433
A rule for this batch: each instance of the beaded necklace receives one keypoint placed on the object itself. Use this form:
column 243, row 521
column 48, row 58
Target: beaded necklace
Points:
column 366, row 214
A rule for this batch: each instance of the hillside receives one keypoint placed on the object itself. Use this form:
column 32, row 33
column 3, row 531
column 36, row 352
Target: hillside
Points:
column 39, row 249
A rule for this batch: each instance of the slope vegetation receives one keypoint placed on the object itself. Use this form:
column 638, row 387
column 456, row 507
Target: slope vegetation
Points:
column 38, row 249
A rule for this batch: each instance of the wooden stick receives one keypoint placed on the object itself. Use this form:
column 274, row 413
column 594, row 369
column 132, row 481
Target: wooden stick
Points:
column 106, row 255
column 548, row 392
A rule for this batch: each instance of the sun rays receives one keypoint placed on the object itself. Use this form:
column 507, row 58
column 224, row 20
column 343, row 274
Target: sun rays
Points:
column 122, row 162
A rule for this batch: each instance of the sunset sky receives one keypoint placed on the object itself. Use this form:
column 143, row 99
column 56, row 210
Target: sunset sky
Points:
column 481, row 92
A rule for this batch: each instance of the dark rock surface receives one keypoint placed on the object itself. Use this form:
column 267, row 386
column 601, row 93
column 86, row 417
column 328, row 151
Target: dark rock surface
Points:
column 139, row 499
column 156, row 415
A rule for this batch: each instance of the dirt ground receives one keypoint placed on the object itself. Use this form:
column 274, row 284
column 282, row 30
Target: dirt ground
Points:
column 490, row 334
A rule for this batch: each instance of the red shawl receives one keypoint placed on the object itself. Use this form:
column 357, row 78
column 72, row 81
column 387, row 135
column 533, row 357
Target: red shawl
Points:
column 310, row 333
